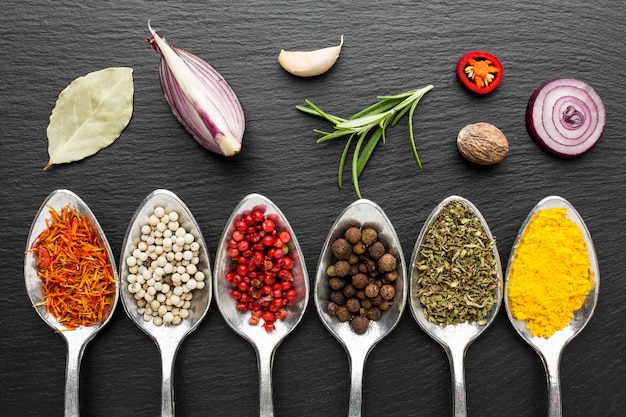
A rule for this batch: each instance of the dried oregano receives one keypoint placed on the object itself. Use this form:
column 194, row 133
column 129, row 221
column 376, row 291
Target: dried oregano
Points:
column 457, row 268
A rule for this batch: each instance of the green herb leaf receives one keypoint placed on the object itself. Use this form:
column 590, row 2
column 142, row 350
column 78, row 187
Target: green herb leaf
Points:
column 90, row 114
column 372, row 121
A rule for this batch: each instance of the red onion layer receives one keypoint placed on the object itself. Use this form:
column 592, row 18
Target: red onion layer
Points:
column 566, row 117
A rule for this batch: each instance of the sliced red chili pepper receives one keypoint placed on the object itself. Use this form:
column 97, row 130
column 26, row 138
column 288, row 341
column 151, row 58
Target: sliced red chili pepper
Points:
column 479, row 71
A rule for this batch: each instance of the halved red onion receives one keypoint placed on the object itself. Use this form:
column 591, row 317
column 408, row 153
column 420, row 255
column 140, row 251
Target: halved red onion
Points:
column 566, row 117
column 200, row 98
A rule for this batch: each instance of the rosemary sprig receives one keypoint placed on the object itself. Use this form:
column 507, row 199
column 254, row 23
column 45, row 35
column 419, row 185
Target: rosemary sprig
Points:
column 369, row 127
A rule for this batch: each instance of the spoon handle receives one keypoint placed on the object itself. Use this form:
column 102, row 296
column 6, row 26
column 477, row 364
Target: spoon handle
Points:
column 265, row 359
column 551, row 363
column 456, row 356
column 75, row 350
column 168, row 356
column 357, row 364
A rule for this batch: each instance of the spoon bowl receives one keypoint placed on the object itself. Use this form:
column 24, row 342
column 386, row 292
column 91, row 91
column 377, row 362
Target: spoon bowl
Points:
column 168, row 338
column 76, row 339
column 362, row 213
column 264, row 342
column 454, row 338
column 550, row 349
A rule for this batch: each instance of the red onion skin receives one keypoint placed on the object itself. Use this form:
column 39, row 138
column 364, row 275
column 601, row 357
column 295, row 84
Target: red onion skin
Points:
column 600, row 113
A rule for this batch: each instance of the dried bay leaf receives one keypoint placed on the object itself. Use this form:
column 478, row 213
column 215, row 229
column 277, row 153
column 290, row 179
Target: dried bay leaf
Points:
column 90, row 114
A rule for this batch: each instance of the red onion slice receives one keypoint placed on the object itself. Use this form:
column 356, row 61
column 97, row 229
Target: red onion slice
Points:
column 200, row 98
column 566, row 117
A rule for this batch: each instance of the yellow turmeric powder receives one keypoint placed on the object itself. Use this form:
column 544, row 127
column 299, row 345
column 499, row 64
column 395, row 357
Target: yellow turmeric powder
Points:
column 550, row 276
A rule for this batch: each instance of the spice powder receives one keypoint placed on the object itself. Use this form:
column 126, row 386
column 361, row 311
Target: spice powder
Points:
column 549, row 277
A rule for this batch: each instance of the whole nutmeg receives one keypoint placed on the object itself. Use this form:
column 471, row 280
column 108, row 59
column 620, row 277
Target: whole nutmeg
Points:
column 482, row 143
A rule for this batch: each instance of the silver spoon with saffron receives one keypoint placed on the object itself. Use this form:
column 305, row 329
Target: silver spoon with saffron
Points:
column 78, row 338
column 265, row 342
column 454, row 338
column 168, row 338
column 551, row 349
column 363, row 214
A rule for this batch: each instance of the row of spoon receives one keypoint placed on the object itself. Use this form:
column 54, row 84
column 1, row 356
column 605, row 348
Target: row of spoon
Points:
column 454, row 339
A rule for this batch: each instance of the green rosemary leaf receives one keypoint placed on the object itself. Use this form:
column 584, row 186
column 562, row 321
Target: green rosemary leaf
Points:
column 411, row 140
column 362, row 122
column 355, row 158
column 370, row 123
column 342, row 161
column 376, row 108
column 333, row 135
column 367, row 151
column 398, row 96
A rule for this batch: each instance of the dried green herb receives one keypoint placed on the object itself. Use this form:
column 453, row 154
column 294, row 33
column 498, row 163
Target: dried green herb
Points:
column 90, row 114
column 457, row 268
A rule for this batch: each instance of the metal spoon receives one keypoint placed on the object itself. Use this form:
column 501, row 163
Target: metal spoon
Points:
column 167, row 338
column 362, row 213
column 265, row 343
column 455, row 339
column 77, row 339
column 551, row 349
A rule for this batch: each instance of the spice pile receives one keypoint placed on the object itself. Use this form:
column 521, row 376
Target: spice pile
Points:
column 361, row 278
column 261, row 275
column 163, row 270
column 457, row 268
column 76, row 274
column 549, row 277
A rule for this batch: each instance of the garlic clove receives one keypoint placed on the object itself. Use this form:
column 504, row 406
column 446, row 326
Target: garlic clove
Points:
column 309, row 63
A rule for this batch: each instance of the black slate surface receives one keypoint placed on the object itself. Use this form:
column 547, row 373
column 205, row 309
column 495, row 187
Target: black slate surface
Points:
column 389, row 47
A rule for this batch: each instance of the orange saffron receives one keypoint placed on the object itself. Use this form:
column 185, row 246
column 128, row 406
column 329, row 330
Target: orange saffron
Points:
column 76, row 275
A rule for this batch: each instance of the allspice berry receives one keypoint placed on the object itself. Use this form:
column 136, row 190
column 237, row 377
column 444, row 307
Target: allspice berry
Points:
column 343, row 314
column 374, row 313
column 376, row 250
column 387, row 292
column 482, row 143
column 341, row 249
column 353, row 235
column 360, row 281
column 342, row 268
column 360, row 324
column 372, row 290
column 387, row 262
column 369, row 236
column 336, row 283
column 353, row 305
